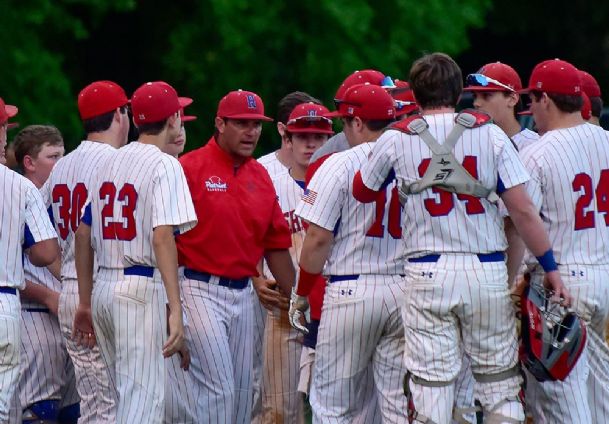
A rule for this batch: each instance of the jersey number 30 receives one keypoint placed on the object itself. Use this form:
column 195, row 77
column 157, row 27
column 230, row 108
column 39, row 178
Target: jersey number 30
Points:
column 70, row 207
column 123, row 227
column 583, row 219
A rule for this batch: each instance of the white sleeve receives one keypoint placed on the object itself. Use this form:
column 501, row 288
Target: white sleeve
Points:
column 534, row 186
column 36, row 215
column 45, row 192
column 380, row 161
column 326, row 189
column 511, row 171
column 172, row 200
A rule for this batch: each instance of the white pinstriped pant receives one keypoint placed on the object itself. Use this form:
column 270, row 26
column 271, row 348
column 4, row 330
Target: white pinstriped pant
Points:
column 130, row 321
column 93, row 382
column 360, row 326
column 259, row 325
column 459, row 301
column 584, row 395
column 10, row 346
column 220, row 335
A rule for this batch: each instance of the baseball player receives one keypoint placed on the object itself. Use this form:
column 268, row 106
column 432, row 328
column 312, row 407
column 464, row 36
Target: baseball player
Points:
column 47, row 386
column 570, row 171
column 102, row 107
column 240, row 221
column 456, row 292
column 273, row 163
column 360, row 321
column 176, row 147
column 138, row 200
column 306, row 131
column 25, row 228
column 592, row 90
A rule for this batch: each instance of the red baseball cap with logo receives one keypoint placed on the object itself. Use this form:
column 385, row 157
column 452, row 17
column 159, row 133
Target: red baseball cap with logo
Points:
column 310, row 118
column 586, row 107
column 366, row 101
column 154, row 102
column 7, row 112
column 589, row 84
column 369, row 76
column 185, row 101
column 100, row 97
column 242, row 104
column 501, row 77
column 555, row 76
column 405, row 103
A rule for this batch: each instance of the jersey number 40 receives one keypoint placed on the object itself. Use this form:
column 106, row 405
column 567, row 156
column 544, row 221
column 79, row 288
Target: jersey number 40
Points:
column 118, row 227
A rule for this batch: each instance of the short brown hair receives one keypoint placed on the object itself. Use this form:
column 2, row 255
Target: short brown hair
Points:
column 564, row 102
column 373, row 125
column 152, row 128
column 436, row 81
column 290, row 101
column 596, row 103
column 30, row 140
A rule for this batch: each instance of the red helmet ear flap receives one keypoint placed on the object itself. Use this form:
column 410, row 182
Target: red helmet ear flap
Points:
column 553, row 338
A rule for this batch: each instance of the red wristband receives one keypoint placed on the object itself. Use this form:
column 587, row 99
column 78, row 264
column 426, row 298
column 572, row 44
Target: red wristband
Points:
column 306, row 281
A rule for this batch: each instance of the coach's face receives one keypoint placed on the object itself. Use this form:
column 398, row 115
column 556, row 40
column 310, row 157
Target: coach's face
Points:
column 238, row 137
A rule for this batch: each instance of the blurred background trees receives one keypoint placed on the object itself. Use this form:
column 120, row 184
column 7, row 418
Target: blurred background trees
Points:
column 49, row 50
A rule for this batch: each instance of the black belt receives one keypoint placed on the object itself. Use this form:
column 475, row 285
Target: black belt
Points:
column 8, row 290
column 483, row 257
column 43, row 310
column 350, row 277
column 141, row 270
column 231, row 283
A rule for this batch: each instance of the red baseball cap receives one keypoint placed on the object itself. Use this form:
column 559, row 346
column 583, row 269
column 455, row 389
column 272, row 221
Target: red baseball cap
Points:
column 7, row 112
column 555, row 76
column 242, row 104
column 100, row 97
column 154, row 102
column 185, row 101
column 367, row 101
column 403, row 95
column 586, row 107
column 589, row 84
column 369, row 76
column 496, row 72
column 310, row 118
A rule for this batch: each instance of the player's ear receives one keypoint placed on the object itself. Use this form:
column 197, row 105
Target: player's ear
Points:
column 28, row 164
column 281, row 129
column 220, row 124
column 513, row 99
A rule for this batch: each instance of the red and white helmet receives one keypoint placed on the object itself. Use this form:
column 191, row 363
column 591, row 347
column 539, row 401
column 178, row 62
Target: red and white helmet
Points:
column 553, row 338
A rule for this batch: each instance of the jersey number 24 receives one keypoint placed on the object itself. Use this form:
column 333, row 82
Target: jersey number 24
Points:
column 583, row 181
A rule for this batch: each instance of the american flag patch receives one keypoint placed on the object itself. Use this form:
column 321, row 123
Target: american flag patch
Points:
column 309, row 196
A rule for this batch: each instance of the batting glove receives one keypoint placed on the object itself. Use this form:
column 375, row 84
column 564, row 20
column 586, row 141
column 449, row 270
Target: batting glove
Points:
column 298, row 306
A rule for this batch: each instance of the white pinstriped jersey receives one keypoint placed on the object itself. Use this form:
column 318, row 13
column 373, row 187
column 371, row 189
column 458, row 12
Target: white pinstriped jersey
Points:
column 525, row 138
column 38, row 275
column 570, row 186
column 272, row 165
column 289, row 193
column 67, row 190
column 367, row 237
column 21, row 205
column 137, row 189
column 437, row 221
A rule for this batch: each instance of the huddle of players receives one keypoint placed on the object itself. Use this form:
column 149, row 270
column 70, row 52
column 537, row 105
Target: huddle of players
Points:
column 416, row 288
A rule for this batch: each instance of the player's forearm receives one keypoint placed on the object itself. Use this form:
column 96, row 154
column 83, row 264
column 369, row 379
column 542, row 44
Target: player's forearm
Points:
column 55, row 268
column 84, row 263
column 526, row 220
column 166, row 253
column 37, row 293
column 313, row 256
column 515, row 250
column 282, row 268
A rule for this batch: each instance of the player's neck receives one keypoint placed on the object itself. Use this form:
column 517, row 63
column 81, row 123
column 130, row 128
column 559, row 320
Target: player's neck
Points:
column 282, row 156
column 159, row 140
column 561, row 120
column 594, row 121
column 511, row 127
column 34, row 180
column 298, row 172
column 106, row 137
column 437, row 110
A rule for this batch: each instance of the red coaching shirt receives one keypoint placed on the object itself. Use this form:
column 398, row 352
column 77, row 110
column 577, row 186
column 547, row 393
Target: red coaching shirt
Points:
column 239, row 216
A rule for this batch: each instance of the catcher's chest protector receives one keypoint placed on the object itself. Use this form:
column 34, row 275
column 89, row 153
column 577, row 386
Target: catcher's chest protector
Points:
column 444, row 171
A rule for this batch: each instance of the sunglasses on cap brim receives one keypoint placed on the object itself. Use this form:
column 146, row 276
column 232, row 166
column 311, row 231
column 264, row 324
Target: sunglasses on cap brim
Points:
column 401, row 104
column 480, row 80
column 309, row 120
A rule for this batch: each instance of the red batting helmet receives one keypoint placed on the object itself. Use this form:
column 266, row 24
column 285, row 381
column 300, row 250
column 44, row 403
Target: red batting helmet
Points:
column 552, row 337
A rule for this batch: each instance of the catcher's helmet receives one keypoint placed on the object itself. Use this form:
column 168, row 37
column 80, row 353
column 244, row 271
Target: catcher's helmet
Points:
column 552, row 337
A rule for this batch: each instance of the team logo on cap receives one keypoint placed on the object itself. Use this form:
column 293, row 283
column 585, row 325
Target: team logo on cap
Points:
column 312, row 113
column 214, row 183
column 251, row 101
column 350, row 110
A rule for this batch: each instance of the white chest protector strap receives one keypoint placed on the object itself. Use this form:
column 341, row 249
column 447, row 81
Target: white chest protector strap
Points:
column 444, row 171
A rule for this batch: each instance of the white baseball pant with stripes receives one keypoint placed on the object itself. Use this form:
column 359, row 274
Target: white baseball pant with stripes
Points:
column 130, row 319
column 93, row 380
column 260, row 313
column 360, row 326
column 584, row 395
column 458, row 300
column 220, row 336
column 10, row 346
